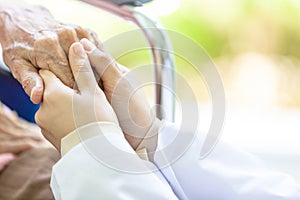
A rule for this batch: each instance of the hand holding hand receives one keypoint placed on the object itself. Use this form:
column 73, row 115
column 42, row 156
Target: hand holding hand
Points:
column 32, row 39
column 65, row 109
column 129, row 103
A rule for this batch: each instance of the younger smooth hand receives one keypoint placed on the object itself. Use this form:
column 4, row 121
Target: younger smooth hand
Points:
column 65, row 109
column 122, row 90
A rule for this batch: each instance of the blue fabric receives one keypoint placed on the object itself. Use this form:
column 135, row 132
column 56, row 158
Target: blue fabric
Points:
column 13, row 95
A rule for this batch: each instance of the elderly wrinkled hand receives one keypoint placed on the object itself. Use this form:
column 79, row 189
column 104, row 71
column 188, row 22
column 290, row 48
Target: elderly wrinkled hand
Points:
column 32, row 39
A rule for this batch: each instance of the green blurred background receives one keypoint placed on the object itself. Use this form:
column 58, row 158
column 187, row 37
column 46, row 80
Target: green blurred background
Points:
column 254, row 43
column 228, row 27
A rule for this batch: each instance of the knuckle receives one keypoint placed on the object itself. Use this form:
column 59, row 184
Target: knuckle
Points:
column 81, row 68
column 93, row 36
column 81, row 32
column 47, row 52
column 103, row 58
column 17, row 54
column 10, row 53
column 68, row 32
column 46, row 42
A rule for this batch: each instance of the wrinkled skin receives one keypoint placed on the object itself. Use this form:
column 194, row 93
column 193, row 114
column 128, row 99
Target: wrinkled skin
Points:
column 32, row 39
column 18, row 135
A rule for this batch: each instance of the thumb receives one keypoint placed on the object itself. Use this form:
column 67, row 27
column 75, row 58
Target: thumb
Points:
column 29, row 77
column 81, row 68
column 101, row 61
column 51, row 82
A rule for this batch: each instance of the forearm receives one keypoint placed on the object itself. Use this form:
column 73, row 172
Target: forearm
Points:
column 18, row 21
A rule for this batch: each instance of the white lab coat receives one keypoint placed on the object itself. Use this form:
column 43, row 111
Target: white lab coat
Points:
column 226, row 174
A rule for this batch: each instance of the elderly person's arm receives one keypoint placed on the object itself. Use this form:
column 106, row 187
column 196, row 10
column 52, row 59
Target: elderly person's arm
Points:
column 17, row 136
column 32, row 39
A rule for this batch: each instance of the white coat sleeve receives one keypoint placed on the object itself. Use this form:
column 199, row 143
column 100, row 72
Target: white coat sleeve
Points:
column 226, row 174
column 92, row 168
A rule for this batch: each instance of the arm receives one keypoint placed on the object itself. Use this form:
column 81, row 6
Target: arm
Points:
column 235, row 175
column 32, row 39
column 80, row 175
column 123, row 91
column 98, row 162
column 18, row 135
column 227, row 173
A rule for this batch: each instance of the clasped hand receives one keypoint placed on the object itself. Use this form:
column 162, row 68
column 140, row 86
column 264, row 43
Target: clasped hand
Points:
column 64, row 109
column 32, row 39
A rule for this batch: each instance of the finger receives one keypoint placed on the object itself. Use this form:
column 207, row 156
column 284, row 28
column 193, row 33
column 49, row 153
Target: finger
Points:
column 84, row 36
column 67, row 36
column 81, row 68
column 93, row 37
column 48, row 54
column 14, row 146
column 101, row 61
column 52, row 83
column 29, row 78
column 85, row 33
column 90, row 35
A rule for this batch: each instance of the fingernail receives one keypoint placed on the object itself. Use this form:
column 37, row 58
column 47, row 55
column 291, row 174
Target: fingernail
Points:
column 88, row 46
column 78, row 49
column 36, row 95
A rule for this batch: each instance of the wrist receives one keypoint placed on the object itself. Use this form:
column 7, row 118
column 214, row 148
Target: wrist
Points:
column 88, row 131
column 149, row 142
